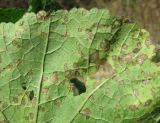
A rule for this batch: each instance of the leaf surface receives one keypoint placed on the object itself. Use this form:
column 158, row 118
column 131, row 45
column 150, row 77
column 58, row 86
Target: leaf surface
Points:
column 77, row 66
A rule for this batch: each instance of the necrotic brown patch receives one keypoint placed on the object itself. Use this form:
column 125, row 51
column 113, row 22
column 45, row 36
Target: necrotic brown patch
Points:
column 125, row 58
column 86, row 112
column 54, row 77
column 133, row 107
column 41, row 109
column 141, row 58
column 148, row 103
column 15, row 99
column 45, row 90
column 136, row 50
column 104, row 70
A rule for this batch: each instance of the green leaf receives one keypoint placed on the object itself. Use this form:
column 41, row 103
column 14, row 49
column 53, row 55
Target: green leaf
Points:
column 11, row 14
column 77, row 66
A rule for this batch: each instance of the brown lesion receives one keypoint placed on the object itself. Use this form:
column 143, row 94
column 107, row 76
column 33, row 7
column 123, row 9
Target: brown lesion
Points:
column 34, row 101
column 54, row 77
column 90, row 35
column 42, row 15
column 105, row 45
column 133, row 107
column 41, row 109
column 8, row 67
column 86, row 112
column 94, row 57
column 31, row 116
column 148, row 43
column 44, row 78
column 137, row 48
column 79, row 74
column 98, row 58
column 96, row 84
column 77, row 81
column 141, row 58
column 15, row 99
column 103, row 71
column 45, row 90
column 148, row 102
column 126, row 58
column 57, row 103
column 16, row 44
column 4, row 105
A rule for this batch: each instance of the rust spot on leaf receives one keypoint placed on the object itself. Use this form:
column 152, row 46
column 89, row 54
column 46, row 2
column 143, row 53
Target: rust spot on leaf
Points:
column 57, row 103
column 107, row 91
column 41, row 109
column 114, row 57
column 34, row 101
column 135, row 93
column 4, row 105
column 41, row 15
column 54, row 77
column 94, row 58
column 16, row 44
column 80, row 29
column 124, row 46
column 145, row 82
column 31, row 116
column 102, row 25
column 105, row 45
column 90, row 35
column 96, row 84
column 27, row 118
column 24, row 102
column 136, row 50
column 45, row 90
column 133, row 107
column 104, row 70
column 141, row 58
column 83, row 12
column 44, row 34
column 44, row 78
column 15, row 99
column 3, row 121
column 126, row 58
column 101, row 108
column 65, row 18
column 86, row 112
column 148, row 43
column 75, row 65
column 18, row 61
column 65, row 66
column 148, row 103
column 29, row 73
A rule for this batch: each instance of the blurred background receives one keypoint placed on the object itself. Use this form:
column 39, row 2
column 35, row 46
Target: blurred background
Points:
column 144, row 12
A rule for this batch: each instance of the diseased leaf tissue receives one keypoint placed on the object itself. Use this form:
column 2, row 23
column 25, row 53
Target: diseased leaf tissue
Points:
column 43, row 57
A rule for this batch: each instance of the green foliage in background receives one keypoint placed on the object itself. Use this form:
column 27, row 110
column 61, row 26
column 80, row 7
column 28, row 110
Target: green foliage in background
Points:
column 14, row 14
column 11, row 14
column 77, row 66
column 37, row 5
